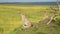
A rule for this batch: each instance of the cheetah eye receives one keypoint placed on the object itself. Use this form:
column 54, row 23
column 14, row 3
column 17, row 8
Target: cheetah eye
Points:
column 25, row 25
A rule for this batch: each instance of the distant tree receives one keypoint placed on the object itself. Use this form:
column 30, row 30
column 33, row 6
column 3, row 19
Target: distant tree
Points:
column 58, row 4
column 54, row 10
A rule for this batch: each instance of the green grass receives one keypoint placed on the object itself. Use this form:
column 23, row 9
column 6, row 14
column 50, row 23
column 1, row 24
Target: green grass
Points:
column 10, row 18
column 38, row 28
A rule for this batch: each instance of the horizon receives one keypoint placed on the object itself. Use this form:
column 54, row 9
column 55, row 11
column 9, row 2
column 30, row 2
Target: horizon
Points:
column 31, row 3
column 18, row 2
column 28, row 0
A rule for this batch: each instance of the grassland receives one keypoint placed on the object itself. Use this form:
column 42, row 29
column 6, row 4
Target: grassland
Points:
column 10, row 16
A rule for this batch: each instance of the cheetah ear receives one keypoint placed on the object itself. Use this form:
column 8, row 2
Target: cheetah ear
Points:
column 46, row 16
column 21, row 14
